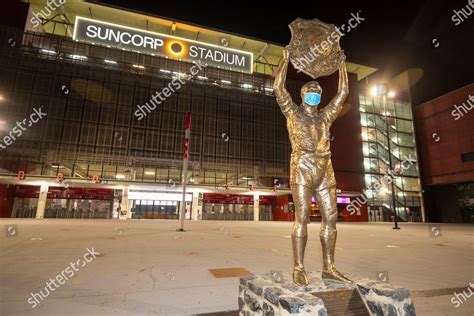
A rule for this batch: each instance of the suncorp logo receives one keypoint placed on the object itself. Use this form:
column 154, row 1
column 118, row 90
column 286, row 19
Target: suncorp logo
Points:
column 122, row 37
column 177, row 49
column 112, row 35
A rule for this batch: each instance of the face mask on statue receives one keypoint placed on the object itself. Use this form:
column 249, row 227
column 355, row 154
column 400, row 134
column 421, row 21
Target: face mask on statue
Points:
column 312, row 98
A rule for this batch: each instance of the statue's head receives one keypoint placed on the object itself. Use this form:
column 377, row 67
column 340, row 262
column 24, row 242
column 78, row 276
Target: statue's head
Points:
column 311, row 94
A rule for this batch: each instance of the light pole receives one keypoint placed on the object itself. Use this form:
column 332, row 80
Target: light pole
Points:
column 381, row 89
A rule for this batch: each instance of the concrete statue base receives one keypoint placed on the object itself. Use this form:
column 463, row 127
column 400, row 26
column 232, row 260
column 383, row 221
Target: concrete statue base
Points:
column 276, row 294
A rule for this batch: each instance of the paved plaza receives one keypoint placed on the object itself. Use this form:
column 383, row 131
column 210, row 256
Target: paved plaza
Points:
column 145, row 267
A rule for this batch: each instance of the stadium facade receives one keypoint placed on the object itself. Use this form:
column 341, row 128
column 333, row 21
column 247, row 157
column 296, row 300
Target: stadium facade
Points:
column 115, row 86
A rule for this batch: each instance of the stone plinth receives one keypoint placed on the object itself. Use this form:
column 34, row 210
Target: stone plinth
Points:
column 386, row 299
column 277, row 295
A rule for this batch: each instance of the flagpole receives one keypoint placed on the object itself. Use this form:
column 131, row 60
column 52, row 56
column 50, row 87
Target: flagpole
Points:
column 187, row 137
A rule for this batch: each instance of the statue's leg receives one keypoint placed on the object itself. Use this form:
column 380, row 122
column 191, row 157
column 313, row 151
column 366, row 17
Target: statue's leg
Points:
column 327, row 202
column 302, row 200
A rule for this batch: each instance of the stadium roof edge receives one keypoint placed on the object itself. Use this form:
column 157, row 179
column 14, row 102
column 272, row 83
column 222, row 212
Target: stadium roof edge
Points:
column 267, row 52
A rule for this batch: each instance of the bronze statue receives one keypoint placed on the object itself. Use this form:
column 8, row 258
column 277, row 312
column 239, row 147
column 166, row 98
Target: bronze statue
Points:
column 311, row 170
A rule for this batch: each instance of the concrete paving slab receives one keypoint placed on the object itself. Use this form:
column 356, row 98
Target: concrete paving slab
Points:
column 148, row 268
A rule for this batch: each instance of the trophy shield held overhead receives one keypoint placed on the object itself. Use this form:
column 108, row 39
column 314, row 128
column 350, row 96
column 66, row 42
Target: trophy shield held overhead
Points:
column 314, row 47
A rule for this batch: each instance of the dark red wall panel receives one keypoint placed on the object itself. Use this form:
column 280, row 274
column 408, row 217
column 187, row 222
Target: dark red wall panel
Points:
column 6, row 200
column 441, row 161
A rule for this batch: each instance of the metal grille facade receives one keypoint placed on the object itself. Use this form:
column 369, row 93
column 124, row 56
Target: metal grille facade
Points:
column 90, row 129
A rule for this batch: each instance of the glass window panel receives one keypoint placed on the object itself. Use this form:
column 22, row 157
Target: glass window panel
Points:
column 169, row 121
column 88, row 134
column 125, row 94
column 167, row 141
column 210, row 126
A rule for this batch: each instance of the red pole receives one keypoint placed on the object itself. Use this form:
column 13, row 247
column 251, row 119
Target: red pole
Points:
column 187, row 137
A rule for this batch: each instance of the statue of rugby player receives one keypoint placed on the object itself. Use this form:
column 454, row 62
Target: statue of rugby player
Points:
column 311, row 171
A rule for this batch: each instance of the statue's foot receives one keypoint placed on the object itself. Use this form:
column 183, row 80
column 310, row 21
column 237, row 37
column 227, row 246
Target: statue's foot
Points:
column 333, row 274
column 299, row 276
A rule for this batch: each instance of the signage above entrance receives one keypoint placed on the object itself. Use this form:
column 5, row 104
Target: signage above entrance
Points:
column 159, row 196
column 119, row 36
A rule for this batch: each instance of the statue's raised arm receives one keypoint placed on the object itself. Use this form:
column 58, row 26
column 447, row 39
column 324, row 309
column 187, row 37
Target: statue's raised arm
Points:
column 283, row 97
column 332, row 110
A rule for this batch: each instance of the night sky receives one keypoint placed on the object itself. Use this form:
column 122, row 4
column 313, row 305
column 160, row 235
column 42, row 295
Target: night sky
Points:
column 395, row 35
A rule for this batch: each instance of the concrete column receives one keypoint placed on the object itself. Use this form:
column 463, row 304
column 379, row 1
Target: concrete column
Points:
column 43, row 196
column 111, row 206
column 195, row 207
column 125, row 204
column 422, row 200
column 256, row 207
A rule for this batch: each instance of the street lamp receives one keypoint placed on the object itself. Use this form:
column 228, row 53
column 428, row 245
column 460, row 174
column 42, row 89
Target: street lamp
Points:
column 381, row 90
